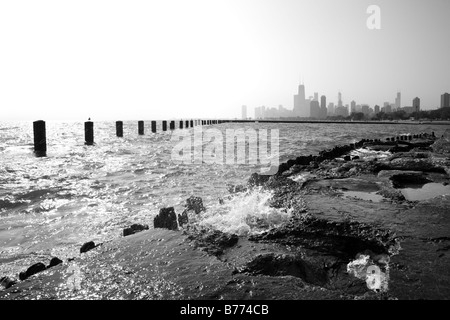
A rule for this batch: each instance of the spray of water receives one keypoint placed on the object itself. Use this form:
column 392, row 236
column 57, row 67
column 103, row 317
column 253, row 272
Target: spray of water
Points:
column 244, row 214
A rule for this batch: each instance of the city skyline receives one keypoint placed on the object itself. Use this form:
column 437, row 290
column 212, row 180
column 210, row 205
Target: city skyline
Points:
column 313, row 108
column 110, row 60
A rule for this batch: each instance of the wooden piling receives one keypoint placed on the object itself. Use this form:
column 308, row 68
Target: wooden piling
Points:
column 141, row 127
column 89, row 133
column 187, row 124
column 154, row 126
column 164, row 126
column 192, row 123
column 172, row 125
column 181, row 125
column 40, row 139
column 119, row 128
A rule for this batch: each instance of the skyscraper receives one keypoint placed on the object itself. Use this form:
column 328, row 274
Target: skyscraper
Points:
column 244, row 112
column 416, row 104
column 301, row 109
column 314, row 109
column 376, row 109
column 330, row 109
column 365, row 109
column 445, row 100
column 353, row 106
column 316, row 96
column 323, row 107
column 398, row 101
column 340, row 100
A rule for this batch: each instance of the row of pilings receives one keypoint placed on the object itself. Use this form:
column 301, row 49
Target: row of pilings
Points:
column 40, row 138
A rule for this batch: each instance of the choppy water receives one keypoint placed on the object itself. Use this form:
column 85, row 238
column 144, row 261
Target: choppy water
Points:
column 52, row 205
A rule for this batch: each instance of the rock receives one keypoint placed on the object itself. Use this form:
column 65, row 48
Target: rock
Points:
column 356, row 158
column 212, row 241
column 276, row 265
column 342, row 239
column 257, row 179
column 7, row 282
column 183, row 218
column 237, row 189
column 347, row 158
column 282, row 168
column 87, row 246
column 135, row 228
column 166, row 219
column 195, row 204
column 442, row 145
column 411, row 164
column 54, row 262
column 35, row 268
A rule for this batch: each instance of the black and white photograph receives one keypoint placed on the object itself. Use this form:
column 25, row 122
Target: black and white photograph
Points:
column 224, row 157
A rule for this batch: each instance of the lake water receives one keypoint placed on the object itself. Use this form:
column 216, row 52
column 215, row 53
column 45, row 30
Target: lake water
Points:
column 51, row 205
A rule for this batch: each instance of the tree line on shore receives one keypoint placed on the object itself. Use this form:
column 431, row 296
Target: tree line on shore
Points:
column 438, row 114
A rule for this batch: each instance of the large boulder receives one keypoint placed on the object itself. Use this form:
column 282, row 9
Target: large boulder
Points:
column 87, row 247
column 54, row 262
column 195, row 204
column 35, row 268
column 166, row 219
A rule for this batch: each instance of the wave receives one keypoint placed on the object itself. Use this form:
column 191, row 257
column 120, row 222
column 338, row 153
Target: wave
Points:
column 245, row 213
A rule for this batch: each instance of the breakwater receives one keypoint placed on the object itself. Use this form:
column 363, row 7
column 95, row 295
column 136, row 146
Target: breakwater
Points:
column 334, row 235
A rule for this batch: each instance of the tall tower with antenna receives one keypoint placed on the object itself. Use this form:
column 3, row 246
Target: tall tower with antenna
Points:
column 299, row 102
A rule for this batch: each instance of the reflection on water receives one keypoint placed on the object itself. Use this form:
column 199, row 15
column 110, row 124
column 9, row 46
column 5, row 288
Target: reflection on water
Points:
column 427, row 191
column 51, row 205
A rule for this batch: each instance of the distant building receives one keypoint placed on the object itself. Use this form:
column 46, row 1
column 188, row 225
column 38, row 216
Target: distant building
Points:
column 244, row 112
column 301, row 107
column 388, row 108
column 353, row 106
column 316, row 96
column 376, row 109
column 340, row 100
column 445, row 100
column 258, row 114
column 365, row 109
column 408, row 110
column 314, row 109
column 330, row 110
column 323, row 107
column 341, row 111
column 398, row 101
column 416, row 104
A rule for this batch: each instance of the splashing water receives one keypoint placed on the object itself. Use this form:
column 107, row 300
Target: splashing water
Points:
column 245, row 213
column 364, row 268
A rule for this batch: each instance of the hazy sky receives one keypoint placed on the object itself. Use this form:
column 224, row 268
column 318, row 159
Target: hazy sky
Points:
column 112, row 60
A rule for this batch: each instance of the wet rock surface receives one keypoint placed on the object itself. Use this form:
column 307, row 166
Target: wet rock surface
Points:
column 166, row 219
column 135, row 228
column 35, row 268
column 87, row 247
column 348, row 217
column 212, row 241
column 7, row 282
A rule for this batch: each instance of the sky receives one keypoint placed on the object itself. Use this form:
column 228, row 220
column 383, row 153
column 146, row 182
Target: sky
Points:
column 167, row 59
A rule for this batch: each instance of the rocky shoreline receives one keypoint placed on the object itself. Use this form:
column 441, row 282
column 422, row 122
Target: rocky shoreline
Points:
column 378, row 206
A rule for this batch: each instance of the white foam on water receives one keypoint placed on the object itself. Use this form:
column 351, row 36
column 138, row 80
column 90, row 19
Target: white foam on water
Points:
column 364, row 268
column 368, row 154
column 245, row 213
